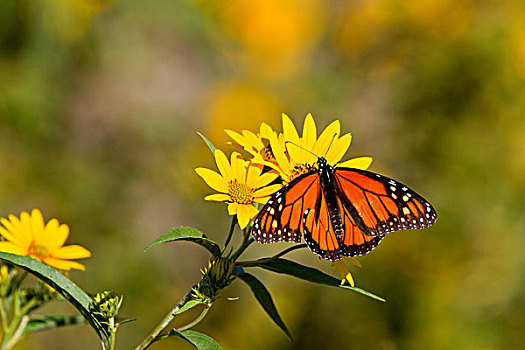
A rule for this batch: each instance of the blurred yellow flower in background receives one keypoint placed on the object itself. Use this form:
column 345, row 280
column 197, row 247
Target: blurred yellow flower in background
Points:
column 30, row 236
column 241, row 184
column 517, row 40
column 274, row 36
column 300, row 153
column 238, row 105
column 70, row 20
column 445, row 19
column 364, row 25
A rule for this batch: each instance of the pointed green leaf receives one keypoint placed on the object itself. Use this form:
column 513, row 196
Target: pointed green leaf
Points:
column 291, row 268
column 186, row 233
column 40, row 323
column 65, row 287
column 265, row 299
column 199, row 340
column 190, row 304
column 210, row 145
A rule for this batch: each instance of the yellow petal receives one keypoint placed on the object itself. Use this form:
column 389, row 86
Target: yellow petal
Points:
column 16, row 239
column 357, row 163
column 265, row 179
column 25, row 225
column 13, row 225
column 64, row 264
column 223, row 165
column 8, row 247
column 52, row 234
column 282, row 160
column 214, row 180
column 238, row 138
column 218, row 197
column 327, row 137
column 232, row 208
column 71, row 252
column 252, row 174
column 309, row 138
column 37, row 227
column 349, row 278
column 253, row 140
column 265, row 191
column 289, row 130
column 62, row 233
column 338, row 149
column 238, row 167
column 266, row 131
column 245, row 212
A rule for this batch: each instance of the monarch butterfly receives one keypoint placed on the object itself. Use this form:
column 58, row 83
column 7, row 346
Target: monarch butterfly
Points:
column 340, row 211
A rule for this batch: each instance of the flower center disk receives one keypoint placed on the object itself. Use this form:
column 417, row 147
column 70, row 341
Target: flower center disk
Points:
column 300, row 169
column 37, row 251
column 239, row 193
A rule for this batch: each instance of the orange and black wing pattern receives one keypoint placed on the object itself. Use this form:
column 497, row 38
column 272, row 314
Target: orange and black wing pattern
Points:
column 281, row 218
column 321, row 238
column 377, row 204
column 300, row 209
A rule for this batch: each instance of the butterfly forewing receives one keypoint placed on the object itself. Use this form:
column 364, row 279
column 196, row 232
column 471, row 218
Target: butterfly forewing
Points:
column 379, row 204
column 281, row 218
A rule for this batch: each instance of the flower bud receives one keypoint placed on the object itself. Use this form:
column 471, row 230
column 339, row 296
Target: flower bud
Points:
column 106, row 304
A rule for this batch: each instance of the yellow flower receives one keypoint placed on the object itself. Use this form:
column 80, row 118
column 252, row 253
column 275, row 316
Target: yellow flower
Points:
column 30, row 236
column 257, row 144
column 341, row 269
column 300, row 154
column 241, row 183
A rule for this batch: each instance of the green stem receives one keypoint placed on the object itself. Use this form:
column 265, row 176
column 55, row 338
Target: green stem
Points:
column 17, row 334
column 3, row 314
column 28, row 307
column 245, row 244
column 230, row 234
column 197, row 320
column 113, row 332
column 166, row 320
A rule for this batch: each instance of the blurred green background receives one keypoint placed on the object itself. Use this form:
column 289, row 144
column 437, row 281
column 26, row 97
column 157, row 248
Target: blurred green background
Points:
column 100, row 102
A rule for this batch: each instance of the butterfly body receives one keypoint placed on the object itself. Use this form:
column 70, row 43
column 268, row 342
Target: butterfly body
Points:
column 340, row 211
column 328, row 186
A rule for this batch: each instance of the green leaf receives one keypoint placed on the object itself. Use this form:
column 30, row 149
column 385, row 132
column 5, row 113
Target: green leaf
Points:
column 190, row 304
column 186, row 233
column 310, row 274
column 210, row 145
column 65, row 287
column 40, row 323
column 265, row 299
column 199, row 340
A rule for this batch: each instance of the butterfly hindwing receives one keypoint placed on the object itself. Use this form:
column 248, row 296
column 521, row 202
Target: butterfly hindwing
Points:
column 354, row 241
column 320, row 236
column 318, row 230
column 379, row 204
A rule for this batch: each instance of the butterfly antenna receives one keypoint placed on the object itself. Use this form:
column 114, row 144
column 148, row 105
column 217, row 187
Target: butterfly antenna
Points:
column 304, row 149
column 330, row 145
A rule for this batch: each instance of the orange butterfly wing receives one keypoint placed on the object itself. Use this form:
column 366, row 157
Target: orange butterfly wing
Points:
column 370, row 205
column 379, row 205
column 290, row 214
column 321, row 238
column 281, row 218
